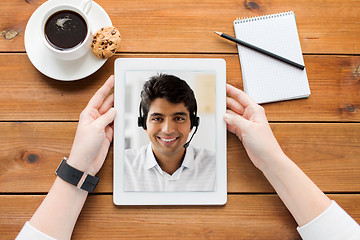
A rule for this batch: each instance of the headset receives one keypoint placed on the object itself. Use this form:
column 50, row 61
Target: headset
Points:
column 194, row 120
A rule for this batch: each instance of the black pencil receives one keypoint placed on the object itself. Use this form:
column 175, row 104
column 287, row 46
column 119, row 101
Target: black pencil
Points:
column 270, row 54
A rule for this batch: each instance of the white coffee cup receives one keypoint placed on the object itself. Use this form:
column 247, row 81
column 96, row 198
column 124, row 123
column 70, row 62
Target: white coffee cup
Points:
column 72, row 52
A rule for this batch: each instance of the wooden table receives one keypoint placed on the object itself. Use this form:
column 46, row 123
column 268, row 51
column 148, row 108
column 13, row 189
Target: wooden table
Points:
column 38, row 118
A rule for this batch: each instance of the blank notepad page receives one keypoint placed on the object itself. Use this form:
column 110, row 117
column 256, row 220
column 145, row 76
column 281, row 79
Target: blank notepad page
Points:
column 267, row 79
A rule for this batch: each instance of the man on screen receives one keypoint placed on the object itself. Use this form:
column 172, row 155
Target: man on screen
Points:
column 168, row 113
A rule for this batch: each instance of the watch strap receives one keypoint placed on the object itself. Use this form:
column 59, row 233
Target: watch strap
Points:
column 76, row 177
column 90, row 183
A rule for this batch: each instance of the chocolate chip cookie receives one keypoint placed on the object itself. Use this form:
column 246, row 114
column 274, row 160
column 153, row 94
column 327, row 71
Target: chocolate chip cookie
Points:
column 105, row 42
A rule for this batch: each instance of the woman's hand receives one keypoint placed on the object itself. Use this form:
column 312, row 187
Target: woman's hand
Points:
column 248, row 121
column 94, row 132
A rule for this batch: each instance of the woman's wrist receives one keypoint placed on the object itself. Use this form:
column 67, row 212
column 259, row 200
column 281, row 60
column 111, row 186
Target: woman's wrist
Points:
column 273, row 162
column 81, row 165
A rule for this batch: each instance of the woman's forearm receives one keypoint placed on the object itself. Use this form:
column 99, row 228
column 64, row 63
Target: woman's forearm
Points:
column 300, row 195
column 59, row 211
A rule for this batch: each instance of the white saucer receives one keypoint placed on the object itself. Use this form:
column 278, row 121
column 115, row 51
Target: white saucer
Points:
column 41, row 57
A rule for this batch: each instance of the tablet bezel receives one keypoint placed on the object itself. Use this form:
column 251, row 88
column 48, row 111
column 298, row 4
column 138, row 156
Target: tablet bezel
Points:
column 217, row 197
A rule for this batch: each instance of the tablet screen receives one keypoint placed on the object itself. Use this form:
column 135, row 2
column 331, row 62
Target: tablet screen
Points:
column 168, row 151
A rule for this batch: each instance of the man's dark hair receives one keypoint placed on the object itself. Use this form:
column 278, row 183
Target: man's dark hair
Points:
column 171, row 88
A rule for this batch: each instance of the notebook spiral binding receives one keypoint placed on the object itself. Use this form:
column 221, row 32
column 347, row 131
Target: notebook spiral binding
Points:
column 263, row 17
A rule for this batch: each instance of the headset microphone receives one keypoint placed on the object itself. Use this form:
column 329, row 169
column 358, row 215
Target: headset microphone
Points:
column 196, row 128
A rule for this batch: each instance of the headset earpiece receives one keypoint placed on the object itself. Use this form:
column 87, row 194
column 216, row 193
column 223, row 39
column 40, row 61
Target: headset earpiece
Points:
column 140, row 122
column 195, row 121
column 141, row 119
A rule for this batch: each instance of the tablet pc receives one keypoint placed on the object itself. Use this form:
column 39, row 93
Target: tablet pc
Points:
column 169, row 133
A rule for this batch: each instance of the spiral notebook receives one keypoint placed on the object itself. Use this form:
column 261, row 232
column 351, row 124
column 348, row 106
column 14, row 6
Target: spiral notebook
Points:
column 266, row 79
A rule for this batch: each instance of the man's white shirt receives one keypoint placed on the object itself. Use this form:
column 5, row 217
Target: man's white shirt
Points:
column 143, row 173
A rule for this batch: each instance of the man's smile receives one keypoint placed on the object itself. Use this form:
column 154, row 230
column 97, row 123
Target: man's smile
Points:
column 167, row 140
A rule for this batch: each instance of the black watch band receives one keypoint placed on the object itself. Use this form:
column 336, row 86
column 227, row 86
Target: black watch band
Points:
column 76, row 177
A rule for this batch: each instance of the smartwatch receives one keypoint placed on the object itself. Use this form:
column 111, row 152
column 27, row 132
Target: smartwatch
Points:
column 76, row 177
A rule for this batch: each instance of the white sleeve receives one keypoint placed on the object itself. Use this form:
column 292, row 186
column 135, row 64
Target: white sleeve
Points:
column 28, row 232
column 333, row 224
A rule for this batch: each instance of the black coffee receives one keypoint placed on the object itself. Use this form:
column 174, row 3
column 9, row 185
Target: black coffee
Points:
column 65, row 30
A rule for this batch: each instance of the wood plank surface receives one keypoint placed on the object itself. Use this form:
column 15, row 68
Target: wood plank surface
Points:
column 321, row 134
column 243, row 217
column 27, row 95
column 330, row 26
column 328, row 152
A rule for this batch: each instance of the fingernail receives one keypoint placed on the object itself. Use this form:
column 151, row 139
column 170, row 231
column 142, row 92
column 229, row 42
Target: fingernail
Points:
column 112, row 110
